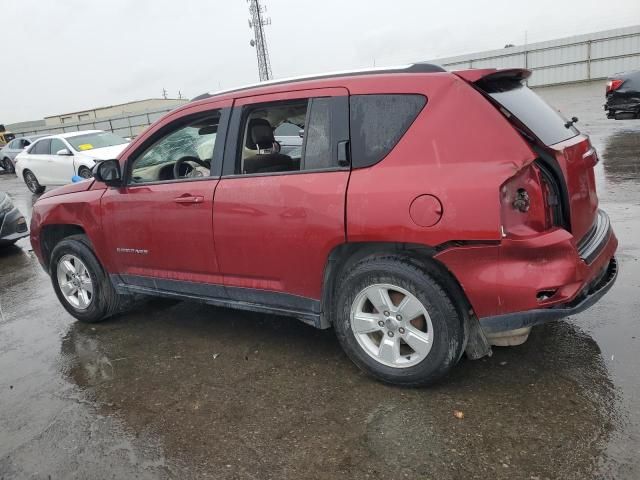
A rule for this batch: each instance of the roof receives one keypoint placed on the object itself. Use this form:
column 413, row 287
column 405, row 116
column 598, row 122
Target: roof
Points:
column 411, row 68
column 71, row 134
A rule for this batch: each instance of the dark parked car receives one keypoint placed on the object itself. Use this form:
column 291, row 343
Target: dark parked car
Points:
column 13, row 226
column 623, row 96
column 427, row 213
column 9, row 152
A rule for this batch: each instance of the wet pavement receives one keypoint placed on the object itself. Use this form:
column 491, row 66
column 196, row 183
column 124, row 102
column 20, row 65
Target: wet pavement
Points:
column 179, row 390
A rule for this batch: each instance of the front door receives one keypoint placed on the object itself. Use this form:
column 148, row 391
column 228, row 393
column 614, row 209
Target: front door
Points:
column 278, row 212
column 159, row 225
column 60, row 169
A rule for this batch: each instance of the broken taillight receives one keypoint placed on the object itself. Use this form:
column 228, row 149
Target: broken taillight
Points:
column 525, row 204
column 613, row 85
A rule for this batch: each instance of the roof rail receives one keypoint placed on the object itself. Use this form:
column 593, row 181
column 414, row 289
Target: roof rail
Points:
column 421, row 67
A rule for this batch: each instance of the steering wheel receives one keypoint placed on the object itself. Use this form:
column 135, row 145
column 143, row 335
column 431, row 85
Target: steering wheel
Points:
column 188, row 158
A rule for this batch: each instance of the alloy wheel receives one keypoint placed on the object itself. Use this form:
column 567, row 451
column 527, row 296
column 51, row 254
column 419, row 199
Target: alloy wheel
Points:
column 75, row 282
column 391, row 325
column 31, row 181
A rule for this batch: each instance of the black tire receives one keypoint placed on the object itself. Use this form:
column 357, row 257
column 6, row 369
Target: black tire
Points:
column 448, row 331
column 7, row 164
column 84, row 172
column 32, row 182
column 105, row 301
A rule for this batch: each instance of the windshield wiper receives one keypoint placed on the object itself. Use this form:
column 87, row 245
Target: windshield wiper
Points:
column 569, row 123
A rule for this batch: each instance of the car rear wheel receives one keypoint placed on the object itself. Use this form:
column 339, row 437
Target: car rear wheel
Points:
column 7, row 164
column 80, row 282
column 397, row 323
column 32, row 182
column 84, row 172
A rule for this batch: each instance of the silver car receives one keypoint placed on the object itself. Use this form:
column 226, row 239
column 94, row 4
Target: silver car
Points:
column 14, row 147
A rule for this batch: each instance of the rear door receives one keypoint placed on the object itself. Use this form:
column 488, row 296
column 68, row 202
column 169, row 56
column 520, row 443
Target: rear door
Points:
column 60, row 167
column 277, row 215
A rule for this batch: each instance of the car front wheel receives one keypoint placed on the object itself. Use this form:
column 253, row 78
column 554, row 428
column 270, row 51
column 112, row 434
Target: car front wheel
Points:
column 397, row 323
column 80, row 282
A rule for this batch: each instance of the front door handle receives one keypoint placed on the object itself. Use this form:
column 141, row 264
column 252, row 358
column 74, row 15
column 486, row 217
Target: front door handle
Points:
column 189, row 199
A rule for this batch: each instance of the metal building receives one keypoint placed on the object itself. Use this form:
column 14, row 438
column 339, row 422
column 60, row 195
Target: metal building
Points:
column 566, row 60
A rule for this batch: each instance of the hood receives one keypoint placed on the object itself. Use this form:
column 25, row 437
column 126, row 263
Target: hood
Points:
column 81, row 186
column 106, row 153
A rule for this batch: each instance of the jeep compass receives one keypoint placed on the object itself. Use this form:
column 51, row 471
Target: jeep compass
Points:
column 425, row 214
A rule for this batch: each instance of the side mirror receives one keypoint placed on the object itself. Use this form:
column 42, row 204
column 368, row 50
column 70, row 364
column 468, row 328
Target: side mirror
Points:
column 108, row 172
column 301, row 133
column 64, row 152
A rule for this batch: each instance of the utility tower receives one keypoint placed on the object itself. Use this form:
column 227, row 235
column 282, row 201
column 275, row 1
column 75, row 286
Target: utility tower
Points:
column 257, row 22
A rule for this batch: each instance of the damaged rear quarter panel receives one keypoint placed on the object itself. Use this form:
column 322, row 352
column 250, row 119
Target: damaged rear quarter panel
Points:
column 460, row 149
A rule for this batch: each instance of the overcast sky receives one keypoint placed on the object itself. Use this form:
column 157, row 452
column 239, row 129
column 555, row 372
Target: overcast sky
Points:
column 66, row 55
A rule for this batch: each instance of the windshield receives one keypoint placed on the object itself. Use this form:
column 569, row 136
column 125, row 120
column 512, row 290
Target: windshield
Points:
column 523, row 103
column 91, row 141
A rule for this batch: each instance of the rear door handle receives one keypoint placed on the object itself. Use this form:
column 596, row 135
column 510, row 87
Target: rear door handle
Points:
column 189, row 199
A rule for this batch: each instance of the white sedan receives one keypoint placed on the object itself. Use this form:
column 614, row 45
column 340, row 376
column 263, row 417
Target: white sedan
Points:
column 56, row 159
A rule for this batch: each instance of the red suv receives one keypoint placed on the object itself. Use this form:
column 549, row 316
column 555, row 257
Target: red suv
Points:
column 420, row 213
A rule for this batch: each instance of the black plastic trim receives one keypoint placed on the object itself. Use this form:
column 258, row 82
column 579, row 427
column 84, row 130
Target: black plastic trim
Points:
column 256, row 300
column 589, row 296
column 590, row 246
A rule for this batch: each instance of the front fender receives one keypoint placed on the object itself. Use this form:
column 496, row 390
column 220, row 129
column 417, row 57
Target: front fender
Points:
column 80, row 209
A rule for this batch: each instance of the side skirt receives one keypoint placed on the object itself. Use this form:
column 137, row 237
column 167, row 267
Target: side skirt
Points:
column 304, row 309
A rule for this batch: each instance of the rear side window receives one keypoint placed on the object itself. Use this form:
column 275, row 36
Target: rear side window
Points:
column 518, row 100
column 378, row 122
column 41, row 147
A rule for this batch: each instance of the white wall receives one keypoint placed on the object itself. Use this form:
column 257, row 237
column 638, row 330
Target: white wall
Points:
column 573, row 59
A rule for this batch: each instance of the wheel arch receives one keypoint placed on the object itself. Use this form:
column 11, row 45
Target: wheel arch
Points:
column 53, row 234
column 346, row 255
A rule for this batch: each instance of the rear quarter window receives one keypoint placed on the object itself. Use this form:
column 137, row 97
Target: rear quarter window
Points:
column 537, row 115
column 378, row 122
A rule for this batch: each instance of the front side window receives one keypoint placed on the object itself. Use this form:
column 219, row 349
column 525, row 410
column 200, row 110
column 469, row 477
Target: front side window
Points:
column 287, row 136
column 57, row 145
column 184, row 153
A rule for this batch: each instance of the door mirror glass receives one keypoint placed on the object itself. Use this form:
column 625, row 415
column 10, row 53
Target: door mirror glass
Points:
column 108, row 172
column 64, row 152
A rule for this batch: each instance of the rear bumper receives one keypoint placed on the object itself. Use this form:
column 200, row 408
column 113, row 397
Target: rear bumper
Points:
column 587, row 297
column 522, row 282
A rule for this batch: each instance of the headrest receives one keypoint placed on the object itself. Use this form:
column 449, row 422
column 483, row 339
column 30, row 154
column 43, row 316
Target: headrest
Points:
column 260, row 134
